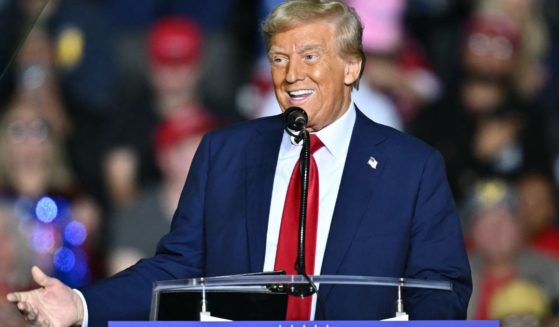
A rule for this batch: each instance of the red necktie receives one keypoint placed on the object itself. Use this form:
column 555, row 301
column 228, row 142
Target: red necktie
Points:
column 299, row 308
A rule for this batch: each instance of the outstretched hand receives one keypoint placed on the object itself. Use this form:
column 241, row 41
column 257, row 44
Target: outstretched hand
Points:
column 53, row 304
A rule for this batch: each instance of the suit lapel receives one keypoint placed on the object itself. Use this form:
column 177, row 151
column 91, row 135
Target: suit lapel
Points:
column 261, row 161
column 358, row 183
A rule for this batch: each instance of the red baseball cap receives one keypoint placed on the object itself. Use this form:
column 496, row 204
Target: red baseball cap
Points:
column 174, row 40
column 180, row 125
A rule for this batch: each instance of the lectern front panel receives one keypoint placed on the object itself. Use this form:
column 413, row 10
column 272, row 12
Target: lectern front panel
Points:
column 230, row 305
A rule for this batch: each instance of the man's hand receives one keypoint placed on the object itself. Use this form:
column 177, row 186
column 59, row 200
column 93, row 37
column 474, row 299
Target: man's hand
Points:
column 53, row 304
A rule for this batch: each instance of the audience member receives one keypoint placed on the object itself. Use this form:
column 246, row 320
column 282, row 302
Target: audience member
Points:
column 35, row 175
column 498, row 254
column 482, row 128
column 520, row 303
column 33, row 159
column 69, row 55
column 438, row 27
column 174, row 49
column 528, row 73
column 538, row 212
column 176, row 140
column 229, row 29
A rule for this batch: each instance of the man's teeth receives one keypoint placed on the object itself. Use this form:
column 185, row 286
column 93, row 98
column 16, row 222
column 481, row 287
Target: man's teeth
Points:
column 300, row 93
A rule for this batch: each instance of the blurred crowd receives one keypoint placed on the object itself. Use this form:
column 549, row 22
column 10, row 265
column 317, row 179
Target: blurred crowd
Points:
column 104, row 104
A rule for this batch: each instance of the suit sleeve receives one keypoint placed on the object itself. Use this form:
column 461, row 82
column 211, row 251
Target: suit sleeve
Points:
column 180, row 253
column 437, row 250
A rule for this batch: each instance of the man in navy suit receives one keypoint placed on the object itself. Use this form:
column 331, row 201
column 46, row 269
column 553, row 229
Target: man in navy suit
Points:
column 385, row 208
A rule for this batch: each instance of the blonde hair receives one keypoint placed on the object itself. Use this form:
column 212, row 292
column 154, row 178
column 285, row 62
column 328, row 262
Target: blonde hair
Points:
column 293, row 13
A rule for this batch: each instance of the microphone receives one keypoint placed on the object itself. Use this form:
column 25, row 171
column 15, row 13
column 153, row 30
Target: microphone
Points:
column 295, row 122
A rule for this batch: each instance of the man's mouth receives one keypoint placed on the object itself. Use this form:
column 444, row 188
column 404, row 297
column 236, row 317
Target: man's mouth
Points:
column 300, row 95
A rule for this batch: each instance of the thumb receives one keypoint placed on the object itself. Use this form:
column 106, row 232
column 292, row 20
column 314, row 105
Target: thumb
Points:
column 41, row 278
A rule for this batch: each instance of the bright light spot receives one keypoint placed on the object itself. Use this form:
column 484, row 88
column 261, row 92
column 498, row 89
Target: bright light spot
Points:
column 46, row 209
column 75, row 233
column 42, row 239
column 64, row 259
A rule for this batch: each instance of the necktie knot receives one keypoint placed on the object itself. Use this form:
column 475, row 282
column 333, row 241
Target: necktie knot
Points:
column 316, row 143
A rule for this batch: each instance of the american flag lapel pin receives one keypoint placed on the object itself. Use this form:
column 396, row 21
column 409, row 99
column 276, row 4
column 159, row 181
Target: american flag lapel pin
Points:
column 372, row 162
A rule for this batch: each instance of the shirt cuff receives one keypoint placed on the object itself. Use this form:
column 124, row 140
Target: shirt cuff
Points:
column 85, row 314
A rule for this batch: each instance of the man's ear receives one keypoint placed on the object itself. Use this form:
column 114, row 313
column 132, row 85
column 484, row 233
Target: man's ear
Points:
column 352, row 70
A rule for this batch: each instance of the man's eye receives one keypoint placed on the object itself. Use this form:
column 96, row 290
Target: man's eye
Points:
column 311, row 57
column 279, row 60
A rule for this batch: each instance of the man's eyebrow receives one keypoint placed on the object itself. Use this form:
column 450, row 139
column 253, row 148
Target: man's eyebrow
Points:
column 310, row 47
column 275, row 51
column 303, row 49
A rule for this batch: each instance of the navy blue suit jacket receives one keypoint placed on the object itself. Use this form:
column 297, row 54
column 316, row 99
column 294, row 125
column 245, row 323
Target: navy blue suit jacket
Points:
column 397, row 220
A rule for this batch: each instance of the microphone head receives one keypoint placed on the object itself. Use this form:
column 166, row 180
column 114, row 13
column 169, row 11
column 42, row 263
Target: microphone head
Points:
column 295, row 120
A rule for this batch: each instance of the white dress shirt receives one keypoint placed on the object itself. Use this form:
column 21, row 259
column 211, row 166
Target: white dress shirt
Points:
column 330, row 160
column 85, row 312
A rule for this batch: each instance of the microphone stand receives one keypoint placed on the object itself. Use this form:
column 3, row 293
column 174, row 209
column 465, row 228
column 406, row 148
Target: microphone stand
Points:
column 304, row 162
column 303, row 290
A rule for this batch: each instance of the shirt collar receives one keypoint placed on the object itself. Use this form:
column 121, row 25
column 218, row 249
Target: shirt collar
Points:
column 335, row 136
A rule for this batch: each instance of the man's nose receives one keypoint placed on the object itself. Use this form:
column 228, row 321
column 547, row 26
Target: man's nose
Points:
column 295, row 71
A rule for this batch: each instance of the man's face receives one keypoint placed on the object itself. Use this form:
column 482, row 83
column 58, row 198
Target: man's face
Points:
column 309, row 72
column 171, row 79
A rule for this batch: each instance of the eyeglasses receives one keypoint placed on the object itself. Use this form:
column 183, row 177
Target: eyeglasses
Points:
column 484, row 45
column 36, row 131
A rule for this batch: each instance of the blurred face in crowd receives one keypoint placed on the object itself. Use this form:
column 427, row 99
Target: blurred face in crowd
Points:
column 28, row 139
column 308, row 71
column 173, row 78
column 175, row 160
column 481, row 95
column 537, row 206
column 489, row 56
column 495, row 234
column 174, row 83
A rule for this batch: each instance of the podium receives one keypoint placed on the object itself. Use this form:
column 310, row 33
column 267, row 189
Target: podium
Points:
column 258, row 297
